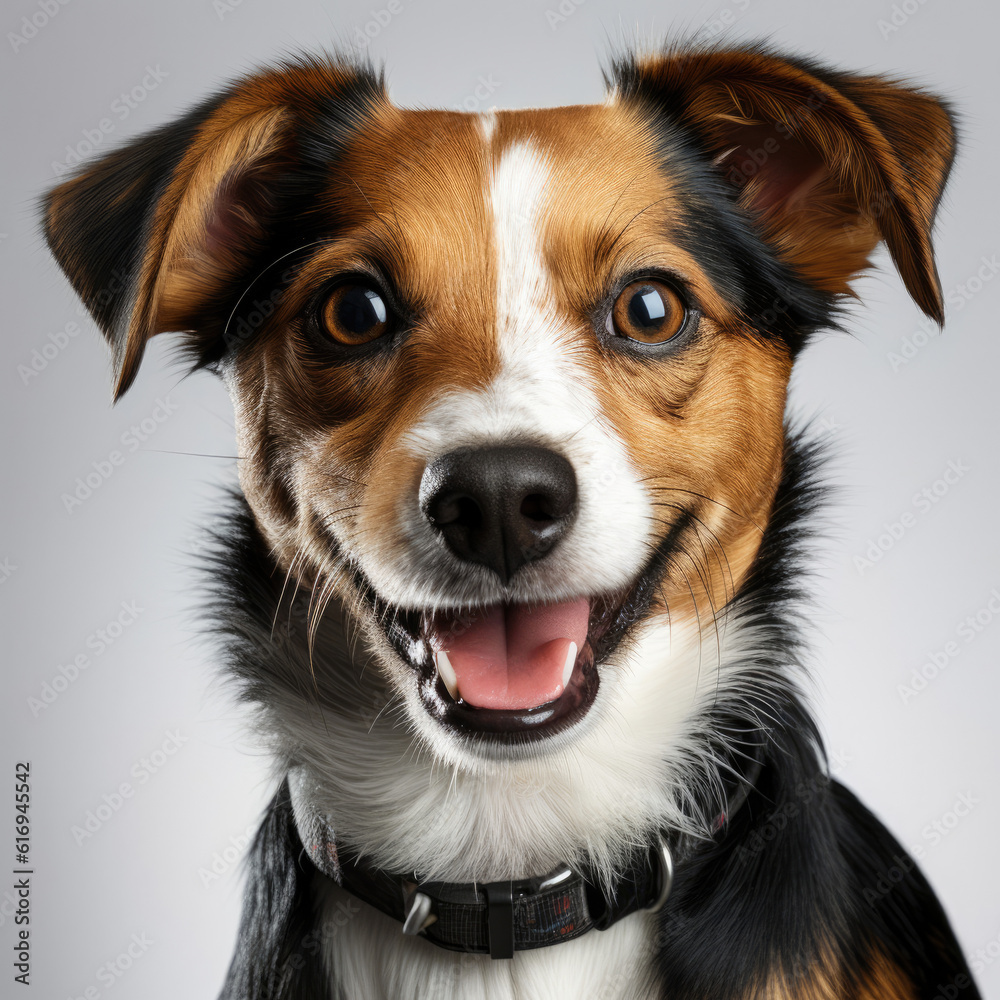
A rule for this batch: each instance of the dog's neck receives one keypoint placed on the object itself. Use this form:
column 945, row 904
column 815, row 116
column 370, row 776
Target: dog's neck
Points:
column 511, row 915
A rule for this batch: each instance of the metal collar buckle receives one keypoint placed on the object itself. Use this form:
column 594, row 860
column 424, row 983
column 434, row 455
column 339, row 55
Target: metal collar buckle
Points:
column 665, row 874
column 417, row 907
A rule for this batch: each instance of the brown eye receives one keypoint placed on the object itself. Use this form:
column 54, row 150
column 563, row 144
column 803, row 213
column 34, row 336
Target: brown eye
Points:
column 650, row 312
column 355, row 314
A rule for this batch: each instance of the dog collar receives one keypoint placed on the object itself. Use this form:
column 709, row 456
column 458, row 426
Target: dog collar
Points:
column 499, row 918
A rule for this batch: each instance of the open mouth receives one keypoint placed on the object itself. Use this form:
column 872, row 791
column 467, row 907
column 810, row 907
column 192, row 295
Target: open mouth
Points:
column 517, row 672
column 511, row 669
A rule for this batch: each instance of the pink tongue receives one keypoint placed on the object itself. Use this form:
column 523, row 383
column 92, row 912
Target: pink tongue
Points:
column 512, row 656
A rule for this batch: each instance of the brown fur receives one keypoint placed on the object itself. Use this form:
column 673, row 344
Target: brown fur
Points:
column 838, row 164
column 872, row 156
column 710, row 424
column 410, row 191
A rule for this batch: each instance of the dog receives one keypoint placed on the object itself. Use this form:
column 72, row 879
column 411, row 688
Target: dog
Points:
column 515, row 578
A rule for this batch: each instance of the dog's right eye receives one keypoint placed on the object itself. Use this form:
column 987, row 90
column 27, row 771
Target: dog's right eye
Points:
column 355, row 314
column 648, row 312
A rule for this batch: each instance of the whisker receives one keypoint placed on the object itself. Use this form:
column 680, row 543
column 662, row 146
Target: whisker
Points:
column 193, row 454
column 395, row 236
column 380, row 711
column 621, row 232
column 281, row 596
column 714, row 610
column 604, row 224
column 260, row 274
column 694, row 493
column 728, row 580
column 582, row 426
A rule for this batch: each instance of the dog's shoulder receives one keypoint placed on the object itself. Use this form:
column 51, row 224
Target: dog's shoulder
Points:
column 808, row 896
column 894, row 907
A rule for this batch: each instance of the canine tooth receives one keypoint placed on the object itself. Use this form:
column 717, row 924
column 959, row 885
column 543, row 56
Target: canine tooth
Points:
column 446, row 672
column 568, row 666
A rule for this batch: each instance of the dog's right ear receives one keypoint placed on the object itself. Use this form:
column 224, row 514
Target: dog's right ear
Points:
column 827, row 163
column 154, row 235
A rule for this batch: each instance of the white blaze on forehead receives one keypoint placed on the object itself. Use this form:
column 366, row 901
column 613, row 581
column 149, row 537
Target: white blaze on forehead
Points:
column 488, row 124
column 517, row 200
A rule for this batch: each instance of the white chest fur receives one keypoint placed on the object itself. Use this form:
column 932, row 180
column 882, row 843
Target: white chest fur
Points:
column 372, row 960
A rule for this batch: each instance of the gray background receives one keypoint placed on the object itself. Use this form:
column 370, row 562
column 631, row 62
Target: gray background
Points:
column 894, row 433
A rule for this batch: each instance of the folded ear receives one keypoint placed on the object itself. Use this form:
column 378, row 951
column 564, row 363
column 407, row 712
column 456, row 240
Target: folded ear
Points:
column 828, row 164
column 154, row 235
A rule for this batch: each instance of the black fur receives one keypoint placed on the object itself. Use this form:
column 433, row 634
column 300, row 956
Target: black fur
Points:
column 100, row 235
column 280, row 944
column 799, row 877
column 802, row 861
column 798, row 868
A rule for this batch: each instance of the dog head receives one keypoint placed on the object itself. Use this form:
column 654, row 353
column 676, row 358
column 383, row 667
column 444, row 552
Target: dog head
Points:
column 509, row 386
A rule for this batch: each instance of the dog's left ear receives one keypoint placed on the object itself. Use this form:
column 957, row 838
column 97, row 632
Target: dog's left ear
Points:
column 156, row 235
column 155, row 227
column 828, row 164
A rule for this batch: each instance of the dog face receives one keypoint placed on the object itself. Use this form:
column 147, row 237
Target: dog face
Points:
column 474, row 416
column 509, row 387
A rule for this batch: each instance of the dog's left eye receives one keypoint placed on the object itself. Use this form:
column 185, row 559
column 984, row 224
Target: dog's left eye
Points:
column 355, row 314
column 648, row 311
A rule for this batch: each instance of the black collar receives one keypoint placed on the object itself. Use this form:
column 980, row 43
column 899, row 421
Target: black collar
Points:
column 499, row 918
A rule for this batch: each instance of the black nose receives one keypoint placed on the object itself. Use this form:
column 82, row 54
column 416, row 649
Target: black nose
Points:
column 500, row 507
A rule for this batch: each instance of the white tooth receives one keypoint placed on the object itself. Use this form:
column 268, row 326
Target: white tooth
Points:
column 570, row 661
column 447, row 673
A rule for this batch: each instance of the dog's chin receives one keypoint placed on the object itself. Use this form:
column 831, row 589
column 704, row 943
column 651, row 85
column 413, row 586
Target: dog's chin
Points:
column 545, row 711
